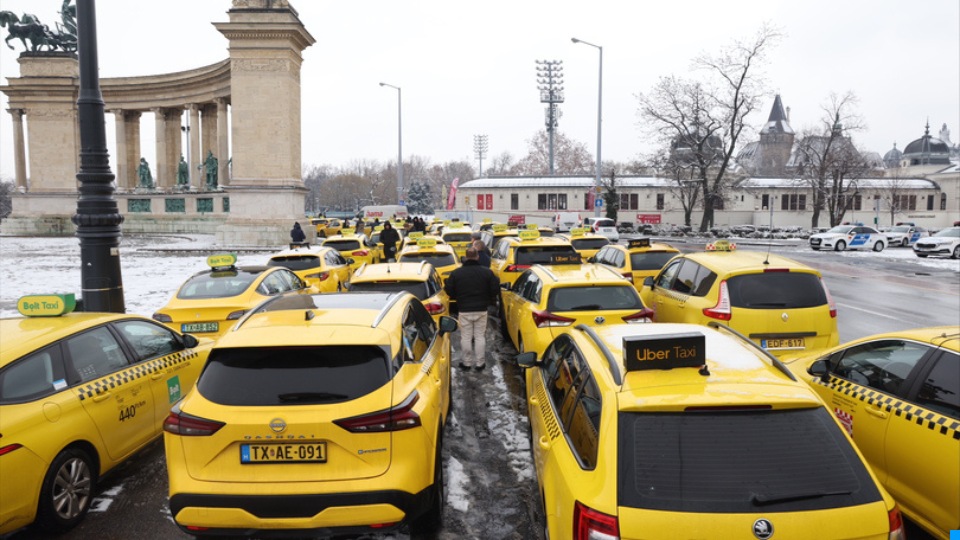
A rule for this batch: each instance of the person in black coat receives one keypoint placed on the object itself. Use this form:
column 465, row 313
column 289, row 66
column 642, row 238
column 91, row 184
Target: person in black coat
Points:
column 474, row 288
column 297, row 236
column 389, row 238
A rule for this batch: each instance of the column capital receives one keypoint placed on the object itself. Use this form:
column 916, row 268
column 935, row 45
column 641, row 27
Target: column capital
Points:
column 16, row 113
column 165, row 113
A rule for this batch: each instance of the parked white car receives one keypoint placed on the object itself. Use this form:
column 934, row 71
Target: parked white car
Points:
column 904, row 235
column 844, row 237
column 604, row 227
column 945, row 242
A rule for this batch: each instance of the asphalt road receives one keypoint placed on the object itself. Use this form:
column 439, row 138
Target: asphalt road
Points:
column 492, row 491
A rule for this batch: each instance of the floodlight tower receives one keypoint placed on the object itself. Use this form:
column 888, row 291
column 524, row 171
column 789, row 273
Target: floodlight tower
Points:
column 480, row 147
column 550, row 84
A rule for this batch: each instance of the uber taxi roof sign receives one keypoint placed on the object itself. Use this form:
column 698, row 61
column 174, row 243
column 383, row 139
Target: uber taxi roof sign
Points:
column 638, row 243
column 664, row 352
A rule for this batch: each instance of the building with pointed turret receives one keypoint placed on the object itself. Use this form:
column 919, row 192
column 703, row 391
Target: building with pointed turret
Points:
column 769, row 155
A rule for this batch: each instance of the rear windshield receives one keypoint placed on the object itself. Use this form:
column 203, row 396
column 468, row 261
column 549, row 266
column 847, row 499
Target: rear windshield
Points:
column 589, row 243
column 343, row 245
column 776, row 290
column 416, row 288
column 542, row 254
column 435, row 258
column 739, row 462
column 650, row 260
column 220, row 284
column 457, row 237
column 594, row 298
column 296, row 262
column 293, row 375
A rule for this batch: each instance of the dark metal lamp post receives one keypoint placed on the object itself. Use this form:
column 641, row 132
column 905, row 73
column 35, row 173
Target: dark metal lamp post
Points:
column 97, row 219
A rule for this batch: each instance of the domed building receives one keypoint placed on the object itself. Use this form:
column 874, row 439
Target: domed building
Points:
column 927, row 150
column 891, row 159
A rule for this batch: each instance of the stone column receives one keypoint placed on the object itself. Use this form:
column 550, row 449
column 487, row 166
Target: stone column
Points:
column 208, row 140
column 128, row 147
column 168, row 146
column 195, row 153
column 19, row 150
column 223, row 143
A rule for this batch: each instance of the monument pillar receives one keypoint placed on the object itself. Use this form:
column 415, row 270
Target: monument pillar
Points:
column 19, row 149
column 208, row 141
column 195, row 156
column 128, row 147
column 223, row 143
column 168, row 146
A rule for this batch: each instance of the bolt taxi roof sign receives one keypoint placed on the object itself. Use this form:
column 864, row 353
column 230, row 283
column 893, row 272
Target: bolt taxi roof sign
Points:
column 222, row 260
column 528, row 234
column 664, row 352
column 46, row 305
column 426, row 242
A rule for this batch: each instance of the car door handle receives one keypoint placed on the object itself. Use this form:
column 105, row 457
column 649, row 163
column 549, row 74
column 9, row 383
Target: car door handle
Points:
column 544, row 442
column 533, row 401
column 101, row 397
column 157, row 376
column 876, row 412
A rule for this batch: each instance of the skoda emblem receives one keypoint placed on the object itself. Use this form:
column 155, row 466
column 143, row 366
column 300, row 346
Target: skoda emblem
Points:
column 784, row 316
column 599, row 320
column 278, row 425
column 762, row 529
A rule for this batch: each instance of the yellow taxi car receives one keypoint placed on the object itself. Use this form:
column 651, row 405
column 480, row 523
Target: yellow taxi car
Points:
column 419, row 279
column 320, row 267
column 585, row 242
column 441, row 256
column 498, row 231
column 898, row 395
column 782, row 305
column 211, row 301
column 316, row 415
column 79, row 394
column 686, row 431
column 375, row 245
column 513, row 255
column 546, row 301
column 459, row 238
column 328, row 227
column 359, row 248
column 639, row 259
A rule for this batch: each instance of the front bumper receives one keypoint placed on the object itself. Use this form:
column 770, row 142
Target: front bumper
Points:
column 940, row 249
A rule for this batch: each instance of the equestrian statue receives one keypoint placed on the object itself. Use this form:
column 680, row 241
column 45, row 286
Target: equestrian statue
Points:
column 29, row 28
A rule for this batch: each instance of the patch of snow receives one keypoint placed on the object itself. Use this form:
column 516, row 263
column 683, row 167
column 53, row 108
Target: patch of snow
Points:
column 456, row 483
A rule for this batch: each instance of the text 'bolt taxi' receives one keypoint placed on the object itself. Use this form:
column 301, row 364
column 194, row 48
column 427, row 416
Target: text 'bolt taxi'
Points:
column 686, row 431
column 315, row 415
column 79, row 394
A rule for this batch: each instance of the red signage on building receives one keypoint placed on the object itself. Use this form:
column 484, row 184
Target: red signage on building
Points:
column 652, row 219
column 517, row 219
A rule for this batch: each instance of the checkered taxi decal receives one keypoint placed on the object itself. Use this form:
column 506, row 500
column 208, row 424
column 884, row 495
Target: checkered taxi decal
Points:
column 912, row 413
column 114, row 380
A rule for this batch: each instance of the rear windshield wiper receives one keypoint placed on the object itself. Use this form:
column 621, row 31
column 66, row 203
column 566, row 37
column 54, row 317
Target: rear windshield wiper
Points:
column 761, row 499
column 311, row 396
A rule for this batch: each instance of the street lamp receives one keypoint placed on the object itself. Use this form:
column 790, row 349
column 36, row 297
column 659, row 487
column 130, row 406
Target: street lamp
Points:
column 596, row 208
column 399, row 146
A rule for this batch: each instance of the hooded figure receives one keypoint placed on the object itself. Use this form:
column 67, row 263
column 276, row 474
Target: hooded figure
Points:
column 297, row 235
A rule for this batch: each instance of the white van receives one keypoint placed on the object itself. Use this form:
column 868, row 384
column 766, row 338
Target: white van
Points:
column 565, row 221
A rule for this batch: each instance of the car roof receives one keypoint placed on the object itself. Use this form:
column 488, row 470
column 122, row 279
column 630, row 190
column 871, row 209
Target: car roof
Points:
column 745, row 261
column 301, row 252
column 539, row 241
column 594, row 274
column 414, row 248
column 738, row 373
column 22, row 335
column 403, row 271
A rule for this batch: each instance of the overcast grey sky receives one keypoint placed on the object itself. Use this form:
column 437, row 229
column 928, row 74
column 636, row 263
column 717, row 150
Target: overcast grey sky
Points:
column 468, row 68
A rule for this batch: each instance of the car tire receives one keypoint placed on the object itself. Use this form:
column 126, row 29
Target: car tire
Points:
column 905, row 242
column 67, row 491
column 840, row 246
column 878, row 246
column 956, row 252
column 431, row 520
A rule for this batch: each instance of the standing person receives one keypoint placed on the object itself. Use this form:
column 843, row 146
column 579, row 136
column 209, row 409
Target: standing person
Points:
column 475, row 289
column 389, row 238
column 297, row 236
column 482, row 250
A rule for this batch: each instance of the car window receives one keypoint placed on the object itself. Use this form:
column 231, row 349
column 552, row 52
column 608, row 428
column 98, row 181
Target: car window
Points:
column 776, row 290
column 273, row 284
column 565, row 380
column 296, row 262
column 417, row 332
column 416, row 288
column 693, row 279
column 619, row 258
column 882, row 365
column 219, row 284
column 542, row 254
column 270, row 376
column 590, row 298
column 343, row 245
column 650, row 260
column 941, row 388
column 666, row 276
column 94, row 354
column 589, row 243
column 436, row 258
column 35, row 376
column 583, row 423
column 149, row 340
column 521, row 282
column 601, row 256
column 531, row 289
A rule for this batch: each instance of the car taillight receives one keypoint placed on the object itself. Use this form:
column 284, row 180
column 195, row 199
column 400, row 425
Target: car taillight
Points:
column 544, row 319
column 896, row 525
column 644, row 315
column 162, row 317
column 830, row 303
column 186, row 425
column 629, row 276
column 721, row 311
column 393, row 419
column 9, row 448
column 434, row 308
column 236, row 315
column 588, row 524
column 361, row 253
column 516, row 268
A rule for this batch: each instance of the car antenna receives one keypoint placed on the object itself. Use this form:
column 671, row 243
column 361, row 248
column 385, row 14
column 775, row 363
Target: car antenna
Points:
column 766, row 261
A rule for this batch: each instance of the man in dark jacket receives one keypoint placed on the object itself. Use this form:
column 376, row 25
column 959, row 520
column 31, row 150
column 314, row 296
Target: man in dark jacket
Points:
column 389, row 238
column 297, row 236
column 474, row 288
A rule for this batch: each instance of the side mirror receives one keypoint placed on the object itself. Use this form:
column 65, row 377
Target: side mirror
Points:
column 648, row 282
column 189, row 341
column 448, row 325
column 820, row 368
column 527, row 360
column 505, row 286
column 349, row 260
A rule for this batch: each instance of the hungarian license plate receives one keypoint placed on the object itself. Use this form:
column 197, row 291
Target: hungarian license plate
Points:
column 785, row 343
column 187, row 328
column 284, row 453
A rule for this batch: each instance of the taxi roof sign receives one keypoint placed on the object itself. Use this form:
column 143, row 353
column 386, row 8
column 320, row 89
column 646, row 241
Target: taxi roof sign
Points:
column 578, row 231
column 498, row 227
column 426, row 242
column 222, row 260
column 46, row 305
column 721, row 245
column 415, row 235
column 532, row 227
column 528, row 234
column 664, row 352
column 638, row 243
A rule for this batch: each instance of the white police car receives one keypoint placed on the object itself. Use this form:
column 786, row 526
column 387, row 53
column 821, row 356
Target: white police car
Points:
column 945, row 242
column 844, row 237
column 905, row 235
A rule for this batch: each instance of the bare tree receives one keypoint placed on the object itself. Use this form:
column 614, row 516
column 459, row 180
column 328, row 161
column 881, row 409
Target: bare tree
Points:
column 570, row 156
column 894, row 190
column 828, row 163
column 685, row 186
column 313, row 178
column 501, row 164
column 705, row 119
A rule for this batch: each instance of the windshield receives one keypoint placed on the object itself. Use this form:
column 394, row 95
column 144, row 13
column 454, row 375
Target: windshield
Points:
column 650, row 260
column 219, row 284
column 344, row 245
column 436, row 258
column 589, row 243
column 842, row 229
column 900, row 228
column 296, row 262
column 950, row 233
column 594, row 298
column 416, row 288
